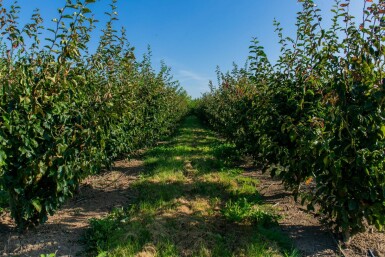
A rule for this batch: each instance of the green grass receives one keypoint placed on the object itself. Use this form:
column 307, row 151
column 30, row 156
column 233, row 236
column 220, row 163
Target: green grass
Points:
column 192, row 200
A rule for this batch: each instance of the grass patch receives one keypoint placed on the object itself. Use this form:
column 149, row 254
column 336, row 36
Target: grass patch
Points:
column 241, row 210
column 191, row 200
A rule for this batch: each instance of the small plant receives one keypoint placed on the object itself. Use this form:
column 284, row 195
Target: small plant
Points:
column 242, row 210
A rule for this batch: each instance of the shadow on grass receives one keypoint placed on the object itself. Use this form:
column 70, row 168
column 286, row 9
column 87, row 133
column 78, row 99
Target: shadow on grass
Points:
column 157, row 165
column 157, row 220
column 152, row 193
column 182, row 234
column 181, row 201
column 170, row 152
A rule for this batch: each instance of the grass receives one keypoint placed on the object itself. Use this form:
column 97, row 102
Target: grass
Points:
column 192, row 200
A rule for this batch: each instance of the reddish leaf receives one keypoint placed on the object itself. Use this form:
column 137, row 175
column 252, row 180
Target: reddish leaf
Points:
column 361, row 26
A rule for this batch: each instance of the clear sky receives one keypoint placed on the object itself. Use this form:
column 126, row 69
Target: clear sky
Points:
column 194, row 36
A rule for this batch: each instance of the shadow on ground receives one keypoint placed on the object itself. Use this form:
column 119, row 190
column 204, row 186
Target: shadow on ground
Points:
column 61, row 234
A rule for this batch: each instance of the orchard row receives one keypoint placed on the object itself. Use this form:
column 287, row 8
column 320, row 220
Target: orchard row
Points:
column 316, row 118
column 66, row 113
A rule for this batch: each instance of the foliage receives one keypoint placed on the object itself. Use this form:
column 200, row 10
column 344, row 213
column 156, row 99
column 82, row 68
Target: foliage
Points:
column 66, row 113
column 316, row 117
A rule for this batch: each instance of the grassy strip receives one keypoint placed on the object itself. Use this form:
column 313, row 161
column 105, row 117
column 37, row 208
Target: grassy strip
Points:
column 191, row 201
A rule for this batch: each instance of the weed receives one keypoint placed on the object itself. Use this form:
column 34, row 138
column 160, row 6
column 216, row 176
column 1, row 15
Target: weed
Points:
column 244, row 211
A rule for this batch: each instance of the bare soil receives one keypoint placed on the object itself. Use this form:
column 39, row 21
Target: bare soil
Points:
column 63, row 231
column 360, row 244
column 310, row 236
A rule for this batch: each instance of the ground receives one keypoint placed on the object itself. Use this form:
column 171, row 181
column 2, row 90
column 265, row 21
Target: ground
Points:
column 188, row 196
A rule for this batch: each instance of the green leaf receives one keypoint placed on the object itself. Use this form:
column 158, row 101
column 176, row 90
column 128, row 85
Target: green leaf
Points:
column 292, row 136
column 61, row 148
column 103, row 254
column 36, row 204
column 67, row 16
column 326, row 161
column 383, row 130
column 3, row 157
column 353, row 205
column 86, row 10
column 310, row 92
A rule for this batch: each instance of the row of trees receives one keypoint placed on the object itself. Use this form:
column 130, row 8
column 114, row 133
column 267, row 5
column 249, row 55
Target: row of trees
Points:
column 316, row 117
column 66, row 113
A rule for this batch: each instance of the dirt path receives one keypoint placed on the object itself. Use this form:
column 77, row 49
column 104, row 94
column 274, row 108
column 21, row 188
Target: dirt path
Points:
column 61, row 234
column 309, row 235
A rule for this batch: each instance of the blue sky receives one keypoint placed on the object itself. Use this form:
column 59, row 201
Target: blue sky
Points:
column 194, row 36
